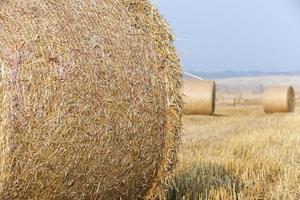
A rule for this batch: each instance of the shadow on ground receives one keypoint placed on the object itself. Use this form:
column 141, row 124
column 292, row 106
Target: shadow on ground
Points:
column 221, row 115
column 204, row 181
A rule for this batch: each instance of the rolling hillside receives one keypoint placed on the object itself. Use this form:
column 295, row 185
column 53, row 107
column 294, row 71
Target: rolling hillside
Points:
column 250, row 89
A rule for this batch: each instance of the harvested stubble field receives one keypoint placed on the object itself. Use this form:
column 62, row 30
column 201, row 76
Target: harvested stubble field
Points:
column 241, row 153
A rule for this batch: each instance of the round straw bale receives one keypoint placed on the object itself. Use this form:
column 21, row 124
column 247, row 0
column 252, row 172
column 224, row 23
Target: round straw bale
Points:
column 230, row 101
column 199, row 97
column 91, row 100
column 279, row 99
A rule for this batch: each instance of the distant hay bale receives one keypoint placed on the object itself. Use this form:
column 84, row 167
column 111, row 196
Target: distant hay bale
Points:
column 229, row 101
column 279, row 99
column 199, row 97
column 91, row 100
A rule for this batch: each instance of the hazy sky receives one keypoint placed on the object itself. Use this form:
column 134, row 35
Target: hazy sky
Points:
column 215, row 35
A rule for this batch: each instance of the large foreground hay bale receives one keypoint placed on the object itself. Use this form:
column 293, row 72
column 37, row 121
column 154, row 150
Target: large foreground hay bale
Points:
column 279, row 99
column 199, row 97
column 91, row 100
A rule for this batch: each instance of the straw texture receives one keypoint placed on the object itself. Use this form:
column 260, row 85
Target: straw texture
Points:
column 91, row 100
column 199, row 97
column 279, row 99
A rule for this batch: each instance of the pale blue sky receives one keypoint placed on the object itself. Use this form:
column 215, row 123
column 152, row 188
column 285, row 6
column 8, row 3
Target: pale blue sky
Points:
column 214, row 35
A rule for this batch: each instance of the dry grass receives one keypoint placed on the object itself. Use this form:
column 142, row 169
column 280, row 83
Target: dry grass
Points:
column 240, row 154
